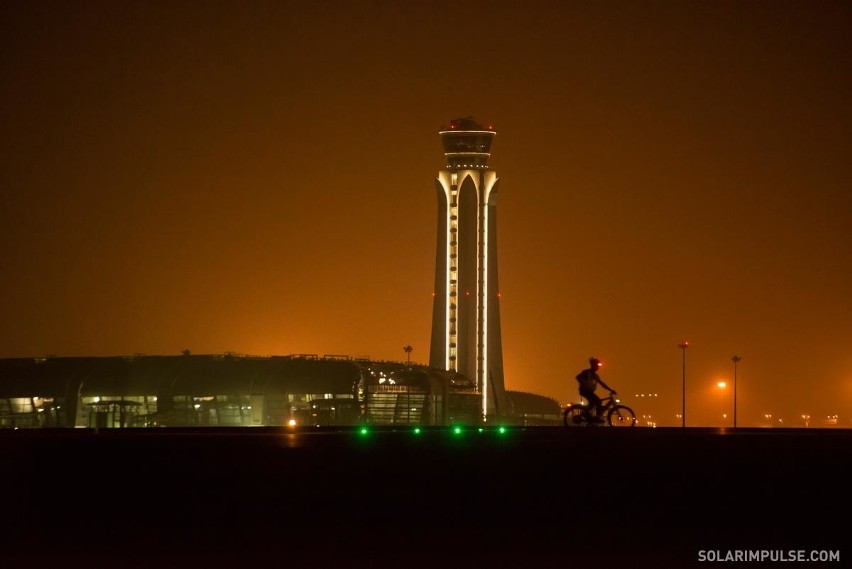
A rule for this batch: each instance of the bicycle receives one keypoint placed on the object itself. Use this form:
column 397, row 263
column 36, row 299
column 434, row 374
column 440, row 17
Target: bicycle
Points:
column 617, row 415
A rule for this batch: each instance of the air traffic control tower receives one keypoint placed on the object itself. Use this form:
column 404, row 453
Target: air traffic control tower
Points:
column 466, row 310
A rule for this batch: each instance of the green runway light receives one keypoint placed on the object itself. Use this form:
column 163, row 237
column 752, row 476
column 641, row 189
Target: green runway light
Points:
column 501, row 430
column 481, row 430
column 457, row 430
column 363, row 430
column 416, row 430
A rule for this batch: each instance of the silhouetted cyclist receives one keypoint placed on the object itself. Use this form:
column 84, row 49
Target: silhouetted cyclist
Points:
column 589, row 380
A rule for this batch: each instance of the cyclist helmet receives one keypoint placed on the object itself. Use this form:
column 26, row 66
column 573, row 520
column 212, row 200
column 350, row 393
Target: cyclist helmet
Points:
column 595, row 363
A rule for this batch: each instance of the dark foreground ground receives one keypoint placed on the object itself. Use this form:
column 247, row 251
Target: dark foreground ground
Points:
column 534, row 497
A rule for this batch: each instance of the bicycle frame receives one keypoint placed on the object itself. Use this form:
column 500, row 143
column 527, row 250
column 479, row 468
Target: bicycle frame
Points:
column 607, row 403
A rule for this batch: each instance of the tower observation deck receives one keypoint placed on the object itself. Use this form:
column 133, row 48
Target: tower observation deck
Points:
column 466, row 334
column 467, row 144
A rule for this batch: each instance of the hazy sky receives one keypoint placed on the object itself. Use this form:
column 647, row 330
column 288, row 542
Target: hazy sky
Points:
column 257, row 177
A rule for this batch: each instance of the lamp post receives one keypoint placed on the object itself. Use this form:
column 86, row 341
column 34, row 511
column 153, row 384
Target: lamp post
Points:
column 683, row 346
column 736, row 360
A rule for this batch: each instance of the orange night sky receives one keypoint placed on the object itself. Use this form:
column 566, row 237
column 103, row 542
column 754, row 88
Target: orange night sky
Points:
column 258, row 178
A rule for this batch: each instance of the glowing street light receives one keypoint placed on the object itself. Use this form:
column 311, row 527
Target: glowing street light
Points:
column 683, row 346
column 722, row 384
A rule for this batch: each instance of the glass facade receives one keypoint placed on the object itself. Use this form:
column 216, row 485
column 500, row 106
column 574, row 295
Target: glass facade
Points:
column 229, row 391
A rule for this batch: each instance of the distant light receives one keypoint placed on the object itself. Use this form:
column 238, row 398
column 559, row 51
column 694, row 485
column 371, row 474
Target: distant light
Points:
column 363, row 430
column 457, row 430
column 481, row 430
column 722, row 385
column 416, row 430
column 501, row 430
column 291, row 423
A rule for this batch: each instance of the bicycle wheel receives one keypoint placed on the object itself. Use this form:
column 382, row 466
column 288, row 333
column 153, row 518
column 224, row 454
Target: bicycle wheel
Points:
column 621, row 416
column 574, row 416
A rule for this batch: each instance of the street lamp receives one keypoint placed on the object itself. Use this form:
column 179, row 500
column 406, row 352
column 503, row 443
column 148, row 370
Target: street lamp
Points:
column 723, row 385
column 736, row 360
column 683, row 346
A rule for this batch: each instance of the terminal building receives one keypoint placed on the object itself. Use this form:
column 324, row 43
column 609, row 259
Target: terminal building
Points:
column 238, row 390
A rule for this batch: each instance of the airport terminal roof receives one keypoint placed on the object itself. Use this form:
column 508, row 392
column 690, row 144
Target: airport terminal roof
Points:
column 219, row 374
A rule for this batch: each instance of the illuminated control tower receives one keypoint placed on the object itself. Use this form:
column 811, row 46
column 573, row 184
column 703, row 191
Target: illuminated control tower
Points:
column 466, row 311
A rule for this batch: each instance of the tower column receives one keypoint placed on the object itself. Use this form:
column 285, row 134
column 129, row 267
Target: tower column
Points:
column 465, row 318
